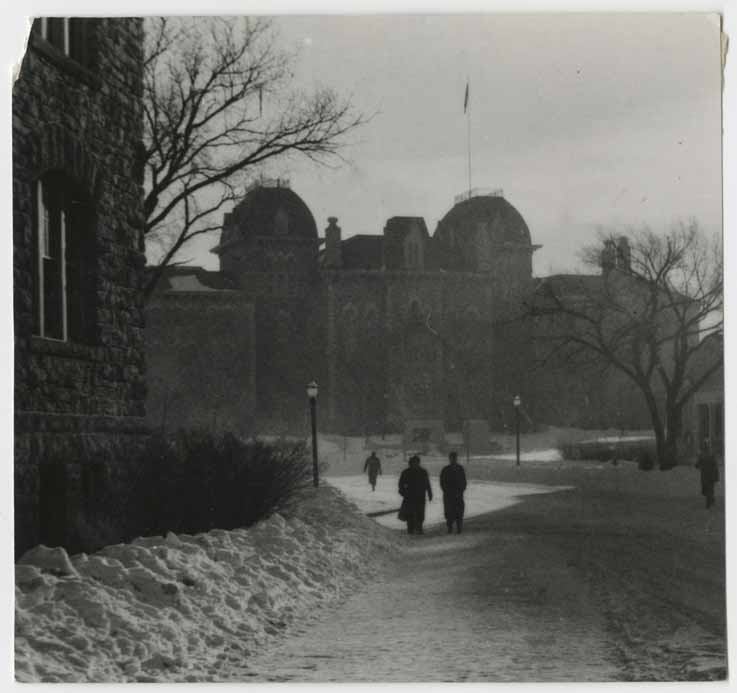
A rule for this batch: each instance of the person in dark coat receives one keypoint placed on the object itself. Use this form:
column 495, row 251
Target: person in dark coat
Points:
column 414, row 483
column 373, row 467
column 707, row 463
column 453, row 483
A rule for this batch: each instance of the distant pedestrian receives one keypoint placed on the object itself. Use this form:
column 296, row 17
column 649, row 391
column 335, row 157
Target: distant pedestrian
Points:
column 707, row 463
column 453, row 483
column 414, row 483
column 373, row 467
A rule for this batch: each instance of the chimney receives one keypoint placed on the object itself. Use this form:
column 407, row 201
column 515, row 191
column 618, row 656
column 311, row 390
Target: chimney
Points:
column 624, row 254
column 608, row 257
column 333, row 255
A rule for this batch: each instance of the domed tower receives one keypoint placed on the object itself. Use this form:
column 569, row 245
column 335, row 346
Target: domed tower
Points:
column 485, row 233
column 269, row 242
column 269, row 249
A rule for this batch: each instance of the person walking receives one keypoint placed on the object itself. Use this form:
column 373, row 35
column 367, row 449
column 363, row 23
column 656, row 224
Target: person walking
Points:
column 453, row 484
column 373, row 467
column 707, row 463
column 414, row 483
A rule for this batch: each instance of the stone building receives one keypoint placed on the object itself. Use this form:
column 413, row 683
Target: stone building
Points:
column 77, row 264
column 403, row 329
column 399, row 327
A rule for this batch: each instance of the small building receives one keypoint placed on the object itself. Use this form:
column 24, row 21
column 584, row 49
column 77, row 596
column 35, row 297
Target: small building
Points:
column 705, row 418
column 200, row 361
column 78, row 264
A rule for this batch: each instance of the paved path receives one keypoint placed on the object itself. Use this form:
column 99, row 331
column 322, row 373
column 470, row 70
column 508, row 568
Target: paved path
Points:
column 483, row 606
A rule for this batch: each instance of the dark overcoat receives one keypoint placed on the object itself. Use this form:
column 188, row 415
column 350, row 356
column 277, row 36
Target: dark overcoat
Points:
column 373, row 466
column 707, row 463
column 414, row 483
column 453, row 483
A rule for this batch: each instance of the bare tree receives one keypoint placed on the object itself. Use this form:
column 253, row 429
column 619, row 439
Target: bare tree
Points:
column 646, row 315
column 217, row 106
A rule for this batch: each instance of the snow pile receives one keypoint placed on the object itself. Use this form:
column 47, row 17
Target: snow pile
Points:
column 550, row 455
column 188, row 608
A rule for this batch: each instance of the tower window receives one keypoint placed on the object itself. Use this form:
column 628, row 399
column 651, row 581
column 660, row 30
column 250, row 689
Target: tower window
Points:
column 281, row 223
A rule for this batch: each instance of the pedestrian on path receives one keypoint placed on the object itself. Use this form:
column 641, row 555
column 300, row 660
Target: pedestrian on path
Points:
column 453, row 484
column 414, row 483
column 373, row 466
column 707, row 463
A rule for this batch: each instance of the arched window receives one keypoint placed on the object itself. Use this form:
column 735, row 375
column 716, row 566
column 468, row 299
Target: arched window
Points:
column 415, row 311
column 64, row 278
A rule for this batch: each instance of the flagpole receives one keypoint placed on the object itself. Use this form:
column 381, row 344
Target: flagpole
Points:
column 467, row 109
column 468, row 137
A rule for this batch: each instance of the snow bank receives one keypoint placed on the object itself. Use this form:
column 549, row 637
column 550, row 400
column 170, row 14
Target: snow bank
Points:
column 550, row 455
column 188, row 608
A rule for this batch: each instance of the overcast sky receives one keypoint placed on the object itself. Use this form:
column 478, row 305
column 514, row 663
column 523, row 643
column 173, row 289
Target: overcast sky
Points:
column 582, row 119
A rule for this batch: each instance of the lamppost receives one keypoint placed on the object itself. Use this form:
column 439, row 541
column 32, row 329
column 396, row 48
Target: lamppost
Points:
column 517, row 402
column 312, row 396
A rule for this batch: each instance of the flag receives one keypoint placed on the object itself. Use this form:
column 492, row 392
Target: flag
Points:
column 465, row 99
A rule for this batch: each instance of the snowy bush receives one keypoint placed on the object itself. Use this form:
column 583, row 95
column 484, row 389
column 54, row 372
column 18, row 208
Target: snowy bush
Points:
column 196, row 480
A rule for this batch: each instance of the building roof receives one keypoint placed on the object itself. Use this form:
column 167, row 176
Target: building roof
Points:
column 504, row 223
column 362, row 251
column 402, row 225
column 188, row 279
column 269, row 211
column 571, row 284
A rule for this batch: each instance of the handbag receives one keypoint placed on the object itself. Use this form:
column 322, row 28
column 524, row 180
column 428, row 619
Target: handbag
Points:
column 402, row 514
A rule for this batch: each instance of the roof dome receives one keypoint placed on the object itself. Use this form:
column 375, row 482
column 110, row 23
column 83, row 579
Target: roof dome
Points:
column 502, row 223
column 269, row 211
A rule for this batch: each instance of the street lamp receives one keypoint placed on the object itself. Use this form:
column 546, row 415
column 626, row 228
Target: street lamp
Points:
column 312, row 396
column 517, row 402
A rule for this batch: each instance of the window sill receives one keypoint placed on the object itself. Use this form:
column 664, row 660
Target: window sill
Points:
column 56, row 347
column 64, row 62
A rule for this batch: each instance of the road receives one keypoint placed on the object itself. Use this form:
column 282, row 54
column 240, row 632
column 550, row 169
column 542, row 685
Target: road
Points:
column 477, row 607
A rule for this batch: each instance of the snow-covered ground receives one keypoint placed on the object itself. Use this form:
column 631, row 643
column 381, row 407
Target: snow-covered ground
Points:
column 188, row 608
column 617, row 439
column 480, row 497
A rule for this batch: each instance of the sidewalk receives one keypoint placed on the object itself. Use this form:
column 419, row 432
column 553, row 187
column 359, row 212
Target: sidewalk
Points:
column 481, row 497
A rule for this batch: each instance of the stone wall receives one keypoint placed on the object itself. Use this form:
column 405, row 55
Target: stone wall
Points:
column 200, row 352
column 430, row 352
column 79, row 406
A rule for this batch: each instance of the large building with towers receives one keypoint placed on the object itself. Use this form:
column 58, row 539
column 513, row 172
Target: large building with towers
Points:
column 399, row 326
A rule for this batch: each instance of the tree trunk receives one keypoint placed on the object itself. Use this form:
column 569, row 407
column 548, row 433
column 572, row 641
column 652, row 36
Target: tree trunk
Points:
column 672, row 437
column 658, row 428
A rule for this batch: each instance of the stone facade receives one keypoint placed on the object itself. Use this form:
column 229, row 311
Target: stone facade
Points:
column 397, row 327
column 200, row 360
column 79, row 385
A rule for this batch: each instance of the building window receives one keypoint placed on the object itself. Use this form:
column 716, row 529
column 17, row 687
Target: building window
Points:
column 415, row 312
column 413, row 254
column 281, row 223
column 69, row 35
column 350, row 331
column 63, row 281
column 283, row 333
